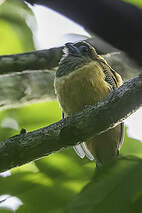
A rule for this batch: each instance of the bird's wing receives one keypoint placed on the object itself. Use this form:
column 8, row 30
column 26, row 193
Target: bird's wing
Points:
column 115, row 81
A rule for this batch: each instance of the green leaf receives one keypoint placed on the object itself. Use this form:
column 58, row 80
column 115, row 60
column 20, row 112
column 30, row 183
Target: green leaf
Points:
column 5, row 210
column 135, row 2
column 131, row 146
column 49, row 184
column 115, row 188
column 30, row 117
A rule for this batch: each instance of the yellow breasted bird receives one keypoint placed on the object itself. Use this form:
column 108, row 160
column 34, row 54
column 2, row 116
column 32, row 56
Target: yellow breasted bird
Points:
column 84, row 78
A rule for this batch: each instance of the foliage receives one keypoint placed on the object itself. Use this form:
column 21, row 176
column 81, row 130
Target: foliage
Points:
column 53, row 184
column 135, row 2
column 15, row 34
column 116, row 187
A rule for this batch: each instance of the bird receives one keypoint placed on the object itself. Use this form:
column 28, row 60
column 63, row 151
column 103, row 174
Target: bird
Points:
column 85, row 78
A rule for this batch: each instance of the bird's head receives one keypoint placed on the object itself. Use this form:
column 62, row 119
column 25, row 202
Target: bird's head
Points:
column 75, row 56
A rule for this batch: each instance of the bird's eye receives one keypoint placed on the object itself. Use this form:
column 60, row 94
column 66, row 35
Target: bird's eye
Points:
column 84, row 49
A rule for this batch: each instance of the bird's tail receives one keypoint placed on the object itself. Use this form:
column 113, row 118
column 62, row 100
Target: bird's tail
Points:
column 82, row 151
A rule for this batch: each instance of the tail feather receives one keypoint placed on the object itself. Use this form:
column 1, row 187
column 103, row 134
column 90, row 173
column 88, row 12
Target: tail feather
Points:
column 79, row 151
column 82, row 151
column 87, row 152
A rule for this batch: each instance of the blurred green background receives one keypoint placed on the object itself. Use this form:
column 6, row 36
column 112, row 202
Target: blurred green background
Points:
column 49, row 184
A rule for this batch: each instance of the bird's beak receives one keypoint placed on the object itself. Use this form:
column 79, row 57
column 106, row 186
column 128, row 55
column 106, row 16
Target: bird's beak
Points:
column 72, row 49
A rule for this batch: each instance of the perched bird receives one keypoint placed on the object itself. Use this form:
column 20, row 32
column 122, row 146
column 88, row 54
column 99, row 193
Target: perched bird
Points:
column 84, row 78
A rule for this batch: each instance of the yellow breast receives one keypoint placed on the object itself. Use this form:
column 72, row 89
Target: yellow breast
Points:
column 83, row 86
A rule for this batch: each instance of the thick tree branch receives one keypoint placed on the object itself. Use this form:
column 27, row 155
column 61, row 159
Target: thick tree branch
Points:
column 93, row 120
column 36, row 60
column 49, row 59
column 24, row 87
column 37, row 84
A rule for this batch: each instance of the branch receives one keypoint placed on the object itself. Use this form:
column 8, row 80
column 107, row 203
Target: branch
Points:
column 117, row 22
column 38, row 85
column 32, row 86
column 92, row 121
column 49, row 59
column 36, row 60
